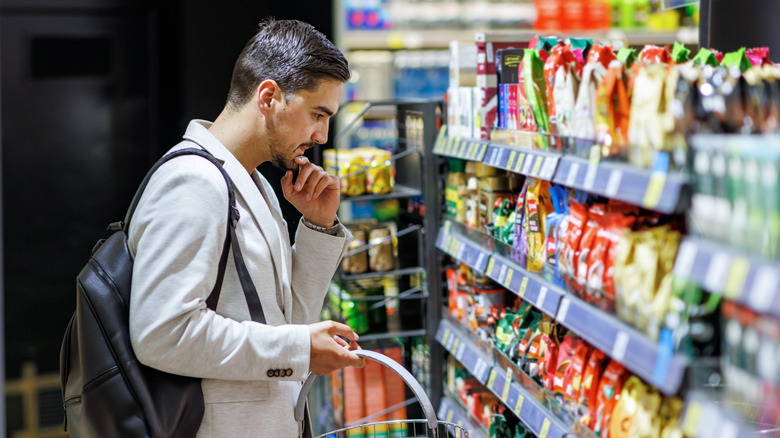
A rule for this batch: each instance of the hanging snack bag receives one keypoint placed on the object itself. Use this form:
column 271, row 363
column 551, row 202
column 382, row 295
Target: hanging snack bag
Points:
column 758, row 56
column 520, row 243
column 616, row 229
column 627, row 56
column 680, row 54
column 574, row 373
column 612, row 110
column 560, row 58
column 538, row 204
column 601, row 54
column 566, row 350
column 655, row 54
column 567, row 83
column 536, row 93
column 584, row 123
column 705, row 57
column 667, row 251
column 580, row 48
column 737, row 58
column 645, row 133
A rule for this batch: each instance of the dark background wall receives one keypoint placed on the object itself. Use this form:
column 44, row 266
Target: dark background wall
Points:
column 93, row 91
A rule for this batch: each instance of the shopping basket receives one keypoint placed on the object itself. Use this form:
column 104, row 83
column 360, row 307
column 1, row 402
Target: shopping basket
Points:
column 429, row 427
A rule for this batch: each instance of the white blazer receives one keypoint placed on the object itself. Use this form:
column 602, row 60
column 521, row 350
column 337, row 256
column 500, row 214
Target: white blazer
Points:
column 176, row 236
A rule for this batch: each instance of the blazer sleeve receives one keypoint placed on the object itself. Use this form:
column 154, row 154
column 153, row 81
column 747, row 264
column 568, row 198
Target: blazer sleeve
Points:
column 316, row 257
column 176, row 235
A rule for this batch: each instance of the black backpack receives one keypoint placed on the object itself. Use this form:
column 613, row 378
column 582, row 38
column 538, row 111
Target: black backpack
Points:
column 106, row 391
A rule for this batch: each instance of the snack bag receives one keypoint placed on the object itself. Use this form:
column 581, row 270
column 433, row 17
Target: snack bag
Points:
column 758, row 56
column 612, row 110
column 548, row 356
column 560, row 58
column 655, row 54
column 645, row 132
column 584, row 123
column 667, row 251
column 552, row 225
column 626, row 413
column 597, row 360
column 680, row 54
column 538, row 204
column 737, row 58
column 536, row 93
column 624, row 258
column 705, row 57
column 595, row 217
column 574, row 373
column 578, row 217
column 601, row 54
column 617, row 226
column 566, row 350
column 627, row 56
column 567, row 83
column 610, row 388
column 520, row 244
column 580, row 48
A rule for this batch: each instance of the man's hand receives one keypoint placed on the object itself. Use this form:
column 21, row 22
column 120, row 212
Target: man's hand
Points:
column 328, row 351
column 315, row 193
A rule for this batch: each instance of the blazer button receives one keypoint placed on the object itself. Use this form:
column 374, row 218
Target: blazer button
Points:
column 277, row 372
column 270, row 373
column 289, row 372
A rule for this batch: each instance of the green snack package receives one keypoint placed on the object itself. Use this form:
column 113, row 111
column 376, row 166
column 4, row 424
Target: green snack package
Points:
column 736, row 59
column 680, row 54
column 582, row 44
column 536, row 93
column 505, row 334
column 546, row 43
column 705, row 57
column 627, row 56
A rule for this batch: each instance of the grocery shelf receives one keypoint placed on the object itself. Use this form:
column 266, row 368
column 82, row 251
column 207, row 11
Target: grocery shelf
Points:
column 665, row 192
column 399, row 191
column 529, row 410
column 604, row 331
column 722, row 269
column 452, row 412
column 705, row 417
column 440, row 38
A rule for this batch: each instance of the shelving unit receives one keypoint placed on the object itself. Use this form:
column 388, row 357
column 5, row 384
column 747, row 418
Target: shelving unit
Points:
column 705, row 418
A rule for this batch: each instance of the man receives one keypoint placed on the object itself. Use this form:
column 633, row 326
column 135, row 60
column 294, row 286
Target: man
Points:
column 286, row 85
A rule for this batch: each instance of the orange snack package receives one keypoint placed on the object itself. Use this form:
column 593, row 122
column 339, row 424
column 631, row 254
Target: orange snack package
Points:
column 610, row 388
column 595, row 217
column 590, row 382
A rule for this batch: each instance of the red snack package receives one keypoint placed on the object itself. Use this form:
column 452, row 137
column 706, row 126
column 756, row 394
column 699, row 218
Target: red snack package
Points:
column 651, row 53
column 566, row 350
column 595, row 216
column 590, row 381
column 613, row 109
column 578, row 216
column 601, row 53
column 572, row 379
column 610, row 387
column 560, row 56
column 758, row 56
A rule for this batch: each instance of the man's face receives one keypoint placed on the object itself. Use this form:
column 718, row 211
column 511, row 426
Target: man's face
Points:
column 302, row 121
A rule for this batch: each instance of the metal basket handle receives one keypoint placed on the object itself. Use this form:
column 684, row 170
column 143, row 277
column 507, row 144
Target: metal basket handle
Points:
column 407, row 377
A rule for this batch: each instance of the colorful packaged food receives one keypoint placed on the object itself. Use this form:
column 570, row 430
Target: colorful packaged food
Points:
column 565, row 91
column 645, row 127
column 536, row 93
column 594, row 222
column 349, row 167
column 610, row 388
column 538, row 204
column 737, row 58
column 655, row 54
column 758, row 56
column 574, row 373
column 627, row 56
column 597, row 361
column 578, row 217
column 560, row 58
column 584, row 123
column 680, row 53
column 705, row 57
column 612, row 111
column 601, row 54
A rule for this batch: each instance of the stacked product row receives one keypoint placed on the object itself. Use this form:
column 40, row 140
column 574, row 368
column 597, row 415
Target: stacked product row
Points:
column 591, row 388
column 629, row 103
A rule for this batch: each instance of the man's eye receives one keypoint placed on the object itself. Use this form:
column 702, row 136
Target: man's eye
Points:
column 318, row 116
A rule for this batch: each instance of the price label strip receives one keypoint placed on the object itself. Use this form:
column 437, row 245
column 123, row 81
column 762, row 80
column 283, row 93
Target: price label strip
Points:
column 511, row 160
column 545, row 428
column 735, row 280
column 507, row 382
column 519, row 163
column 655, row 186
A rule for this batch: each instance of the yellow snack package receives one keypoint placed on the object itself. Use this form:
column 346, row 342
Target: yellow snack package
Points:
column 537, row 205
column 624, row 268
column 349, row 167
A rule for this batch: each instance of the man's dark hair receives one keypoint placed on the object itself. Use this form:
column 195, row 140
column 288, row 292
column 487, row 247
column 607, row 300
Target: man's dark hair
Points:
column 292, row 53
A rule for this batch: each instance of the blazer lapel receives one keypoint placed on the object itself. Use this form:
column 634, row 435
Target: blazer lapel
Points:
column 254, row 197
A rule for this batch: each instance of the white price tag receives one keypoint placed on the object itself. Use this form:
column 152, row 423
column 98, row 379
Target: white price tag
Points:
column 500, row 158
column 762, row 294
column 502, row 274
column 480, row 260
column 620, row 346
column 529, row 160
column 686, row 256
column 563, row 310
column 717, row 272
column 493, row 156
column 571, row 177
column 461, row 250
column 480, row 369
column 590, row 176
column 541, row 297
column 613, row 184
column 547, row 168
column 451, row 341
column 460, row 350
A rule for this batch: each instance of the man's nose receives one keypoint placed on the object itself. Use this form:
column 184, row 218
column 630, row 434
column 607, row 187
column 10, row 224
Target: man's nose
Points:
column 320, row 135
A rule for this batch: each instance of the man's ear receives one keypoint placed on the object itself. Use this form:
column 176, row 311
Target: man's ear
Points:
column 267, row 92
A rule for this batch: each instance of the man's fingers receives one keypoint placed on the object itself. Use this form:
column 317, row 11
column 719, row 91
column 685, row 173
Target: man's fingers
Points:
column 354, row 361
column 338, row 328
column 303, row 175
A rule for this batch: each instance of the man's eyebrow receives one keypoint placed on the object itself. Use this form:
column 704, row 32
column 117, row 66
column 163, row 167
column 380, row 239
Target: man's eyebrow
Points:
column 325, row 110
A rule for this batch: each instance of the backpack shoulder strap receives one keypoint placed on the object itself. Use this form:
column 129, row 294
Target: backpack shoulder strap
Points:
column 250, row 293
